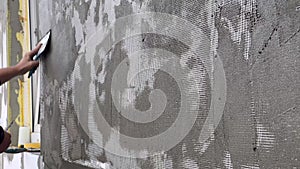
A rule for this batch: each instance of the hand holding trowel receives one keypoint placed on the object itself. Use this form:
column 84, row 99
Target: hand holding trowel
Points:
column 44, row 41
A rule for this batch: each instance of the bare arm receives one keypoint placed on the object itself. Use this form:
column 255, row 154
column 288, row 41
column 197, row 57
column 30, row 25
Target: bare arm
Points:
column 6, row 74
column 21, row 68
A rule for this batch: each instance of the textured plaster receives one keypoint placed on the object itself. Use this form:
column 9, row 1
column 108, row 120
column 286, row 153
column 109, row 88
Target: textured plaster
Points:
column 257, row 42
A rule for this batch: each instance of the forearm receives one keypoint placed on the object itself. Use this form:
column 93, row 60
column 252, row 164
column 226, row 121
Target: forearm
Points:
column 8, row 73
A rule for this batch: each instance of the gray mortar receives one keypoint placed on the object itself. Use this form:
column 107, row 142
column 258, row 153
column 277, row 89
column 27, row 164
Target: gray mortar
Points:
column 259, row 127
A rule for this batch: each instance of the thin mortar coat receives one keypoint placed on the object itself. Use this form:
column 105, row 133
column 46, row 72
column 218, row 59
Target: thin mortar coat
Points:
column 257, row 41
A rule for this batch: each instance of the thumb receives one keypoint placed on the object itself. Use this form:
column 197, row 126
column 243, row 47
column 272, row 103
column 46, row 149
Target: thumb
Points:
column 34, row 51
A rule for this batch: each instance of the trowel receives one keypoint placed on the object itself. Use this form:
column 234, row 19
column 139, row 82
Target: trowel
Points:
column 44, row 41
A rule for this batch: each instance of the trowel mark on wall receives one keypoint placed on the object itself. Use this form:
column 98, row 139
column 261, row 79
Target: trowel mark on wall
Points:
column 265, row 139
column 109, row 7
column 79, row 37
column 161, row 161
column 250, row 167
column 189, row 164
column 227, row 160
column 139, row 6
column 240, row 31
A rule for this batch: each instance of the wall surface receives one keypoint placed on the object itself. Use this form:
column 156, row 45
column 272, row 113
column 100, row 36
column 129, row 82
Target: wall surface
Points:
column 171, row 84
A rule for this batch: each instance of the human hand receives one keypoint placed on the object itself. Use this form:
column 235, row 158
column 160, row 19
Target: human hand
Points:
column 26, row 64
column 6, row 142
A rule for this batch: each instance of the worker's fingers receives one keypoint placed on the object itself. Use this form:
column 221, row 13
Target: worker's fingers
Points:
column 34, row 64
column 34, row 51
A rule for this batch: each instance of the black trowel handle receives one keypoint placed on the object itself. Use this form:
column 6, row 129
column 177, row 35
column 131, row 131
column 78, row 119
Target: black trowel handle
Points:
column 31, row 72
column 36, row 57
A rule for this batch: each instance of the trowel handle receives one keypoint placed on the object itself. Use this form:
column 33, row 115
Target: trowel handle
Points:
column 31, row 72
column 35, row 58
